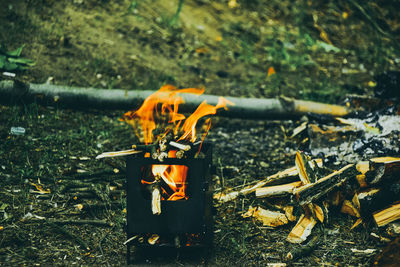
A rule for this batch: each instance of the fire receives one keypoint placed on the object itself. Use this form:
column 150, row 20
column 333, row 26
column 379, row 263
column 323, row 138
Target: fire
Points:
column 160, row 111
column 163, row 106
column 175, row 177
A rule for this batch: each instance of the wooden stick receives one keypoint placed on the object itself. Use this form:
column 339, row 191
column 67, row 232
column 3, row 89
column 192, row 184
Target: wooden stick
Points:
column 222, row 197
column 156, row 198
column 118, row 153
column 277, row 190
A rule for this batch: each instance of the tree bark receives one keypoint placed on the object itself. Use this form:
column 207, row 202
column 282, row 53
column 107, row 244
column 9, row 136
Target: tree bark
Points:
column 46, row 94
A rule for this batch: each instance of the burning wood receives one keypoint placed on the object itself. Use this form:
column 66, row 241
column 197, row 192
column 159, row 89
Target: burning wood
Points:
column 156, row 197
column 164, row 134
column 180, row 146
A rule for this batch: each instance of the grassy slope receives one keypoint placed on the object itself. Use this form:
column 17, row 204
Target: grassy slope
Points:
column 132, row 45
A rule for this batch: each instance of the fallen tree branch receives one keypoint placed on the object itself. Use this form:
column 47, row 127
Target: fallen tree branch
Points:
column 46, row 94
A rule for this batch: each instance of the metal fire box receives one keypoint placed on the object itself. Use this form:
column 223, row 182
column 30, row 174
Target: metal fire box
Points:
column 180, row 219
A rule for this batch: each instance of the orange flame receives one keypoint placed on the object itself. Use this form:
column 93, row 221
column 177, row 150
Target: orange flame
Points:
column 168, row 97
column 175, row 177
column 162, row 106
column 204, row 109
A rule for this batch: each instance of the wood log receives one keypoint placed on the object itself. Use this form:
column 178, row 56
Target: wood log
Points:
column 383, row 170
column 289, row 213
column 303, row 168
column 374, row 199
column 316, row 212
column 349, row 208
column 363, row 168
column 302, row 229
column 277, row 190
column 311, row 192
column 14, row 91
column 267, row 217
column 387, row 215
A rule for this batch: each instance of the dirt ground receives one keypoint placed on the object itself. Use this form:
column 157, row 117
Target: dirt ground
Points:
column 319, row 50
column 49, row 156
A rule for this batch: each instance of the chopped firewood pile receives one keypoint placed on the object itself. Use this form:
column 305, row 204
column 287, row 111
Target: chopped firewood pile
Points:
column 351, row 165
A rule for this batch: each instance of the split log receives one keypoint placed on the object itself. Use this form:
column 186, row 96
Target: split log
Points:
column 289, row 213
column 13, row 91
column 385, row 169
column 387, row 215
column 304, row 169
column 277, row 190
column 373, row 199
column 267, row 217
column 349, row 208
column 316, row 211
column 302, row 229
column 277, row 177
column 363, row 168
column 312, row 192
